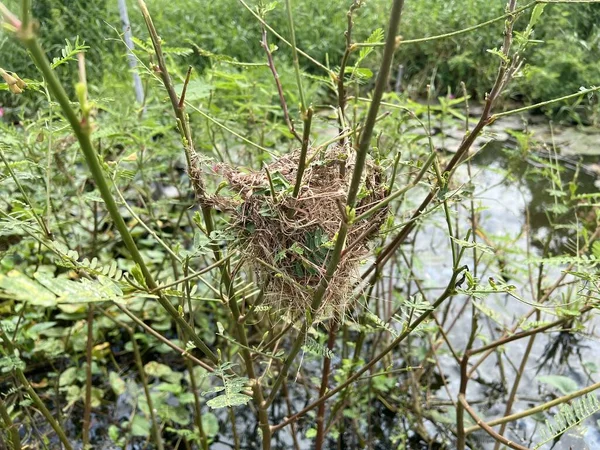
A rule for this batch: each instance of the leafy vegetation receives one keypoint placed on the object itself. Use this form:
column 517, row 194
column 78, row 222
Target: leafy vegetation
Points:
column 171, row 271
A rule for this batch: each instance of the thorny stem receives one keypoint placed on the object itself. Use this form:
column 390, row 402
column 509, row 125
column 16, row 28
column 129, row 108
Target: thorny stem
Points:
column 361, row 158
column 82, row 131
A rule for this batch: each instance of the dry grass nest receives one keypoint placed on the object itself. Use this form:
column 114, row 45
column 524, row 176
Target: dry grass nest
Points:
column 289, row 240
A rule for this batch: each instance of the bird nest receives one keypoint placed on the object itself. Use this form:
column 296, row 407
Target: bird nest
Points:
column 289, row 240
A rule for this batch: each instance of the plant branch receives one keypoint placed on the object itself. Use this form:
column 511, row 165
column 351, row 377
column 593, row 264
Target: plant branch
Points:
column 487, row 428
column 82, row 131
column 284, row 108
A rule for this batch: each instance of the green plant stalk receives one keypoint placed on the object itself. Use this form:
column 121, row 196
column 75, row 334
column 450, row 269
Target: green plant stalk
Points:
column 303, row 152
column 361, row 158
column 323, row 389
column 25, row 7
column 341, row 89
column 82, row 132
column 197, row 410
column 87, row 412
column 462, row 31
column 380, row 87
column 13, row 432
column 290, row 17
column 284, row 40
column 37, row 401
column 144, row 380
column 546, row 103
column 499, row 439
column 537, row 409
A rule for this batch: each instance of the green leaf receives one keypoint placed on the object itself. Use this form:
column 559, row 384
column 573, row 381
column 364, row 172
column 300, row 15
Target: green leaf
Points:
column 227, row 400
column 158, row 370
column 140, row 426
column 68, row 377
column 22, row 288
column 210, row 424
column 564, row 384
column 116, row 383
column 467, row 244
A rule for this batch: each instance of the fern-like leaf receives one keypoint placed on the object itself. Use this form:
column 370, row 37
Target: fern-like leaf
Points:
column 569, row 416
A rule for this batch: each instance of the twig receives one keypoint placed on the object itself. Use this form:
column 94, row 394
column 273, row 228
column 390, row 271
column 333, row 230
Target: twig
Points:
column 486, row 427
column 303, row 152
column 323, row 389
column 359, row 164
column 284, row 108
column 82, row 130
column 37, row 401
column 87, row 412
column 290, row 17
column 14, row 439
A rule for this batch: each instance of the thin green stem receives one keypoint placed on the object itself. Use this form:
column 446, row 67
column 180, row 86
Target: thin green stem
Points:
column 140, row 366
column 290, row 17
column 458, row 32
column 87, row 412
column 25, row 8
column 493, row 117
column 14, row 439
column 37, row 401
column 359, row 165
column 303, row 152
column 285, row 41
column 537, row 409
column 82, row 131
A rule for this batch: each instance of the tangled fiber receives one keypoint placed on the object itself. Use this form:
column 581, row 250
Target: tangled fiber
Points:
column 289, row 240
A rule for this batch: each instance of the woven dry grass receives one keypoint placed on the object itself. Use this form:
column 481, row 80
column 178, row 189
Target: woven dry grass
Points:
column 289, row 240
